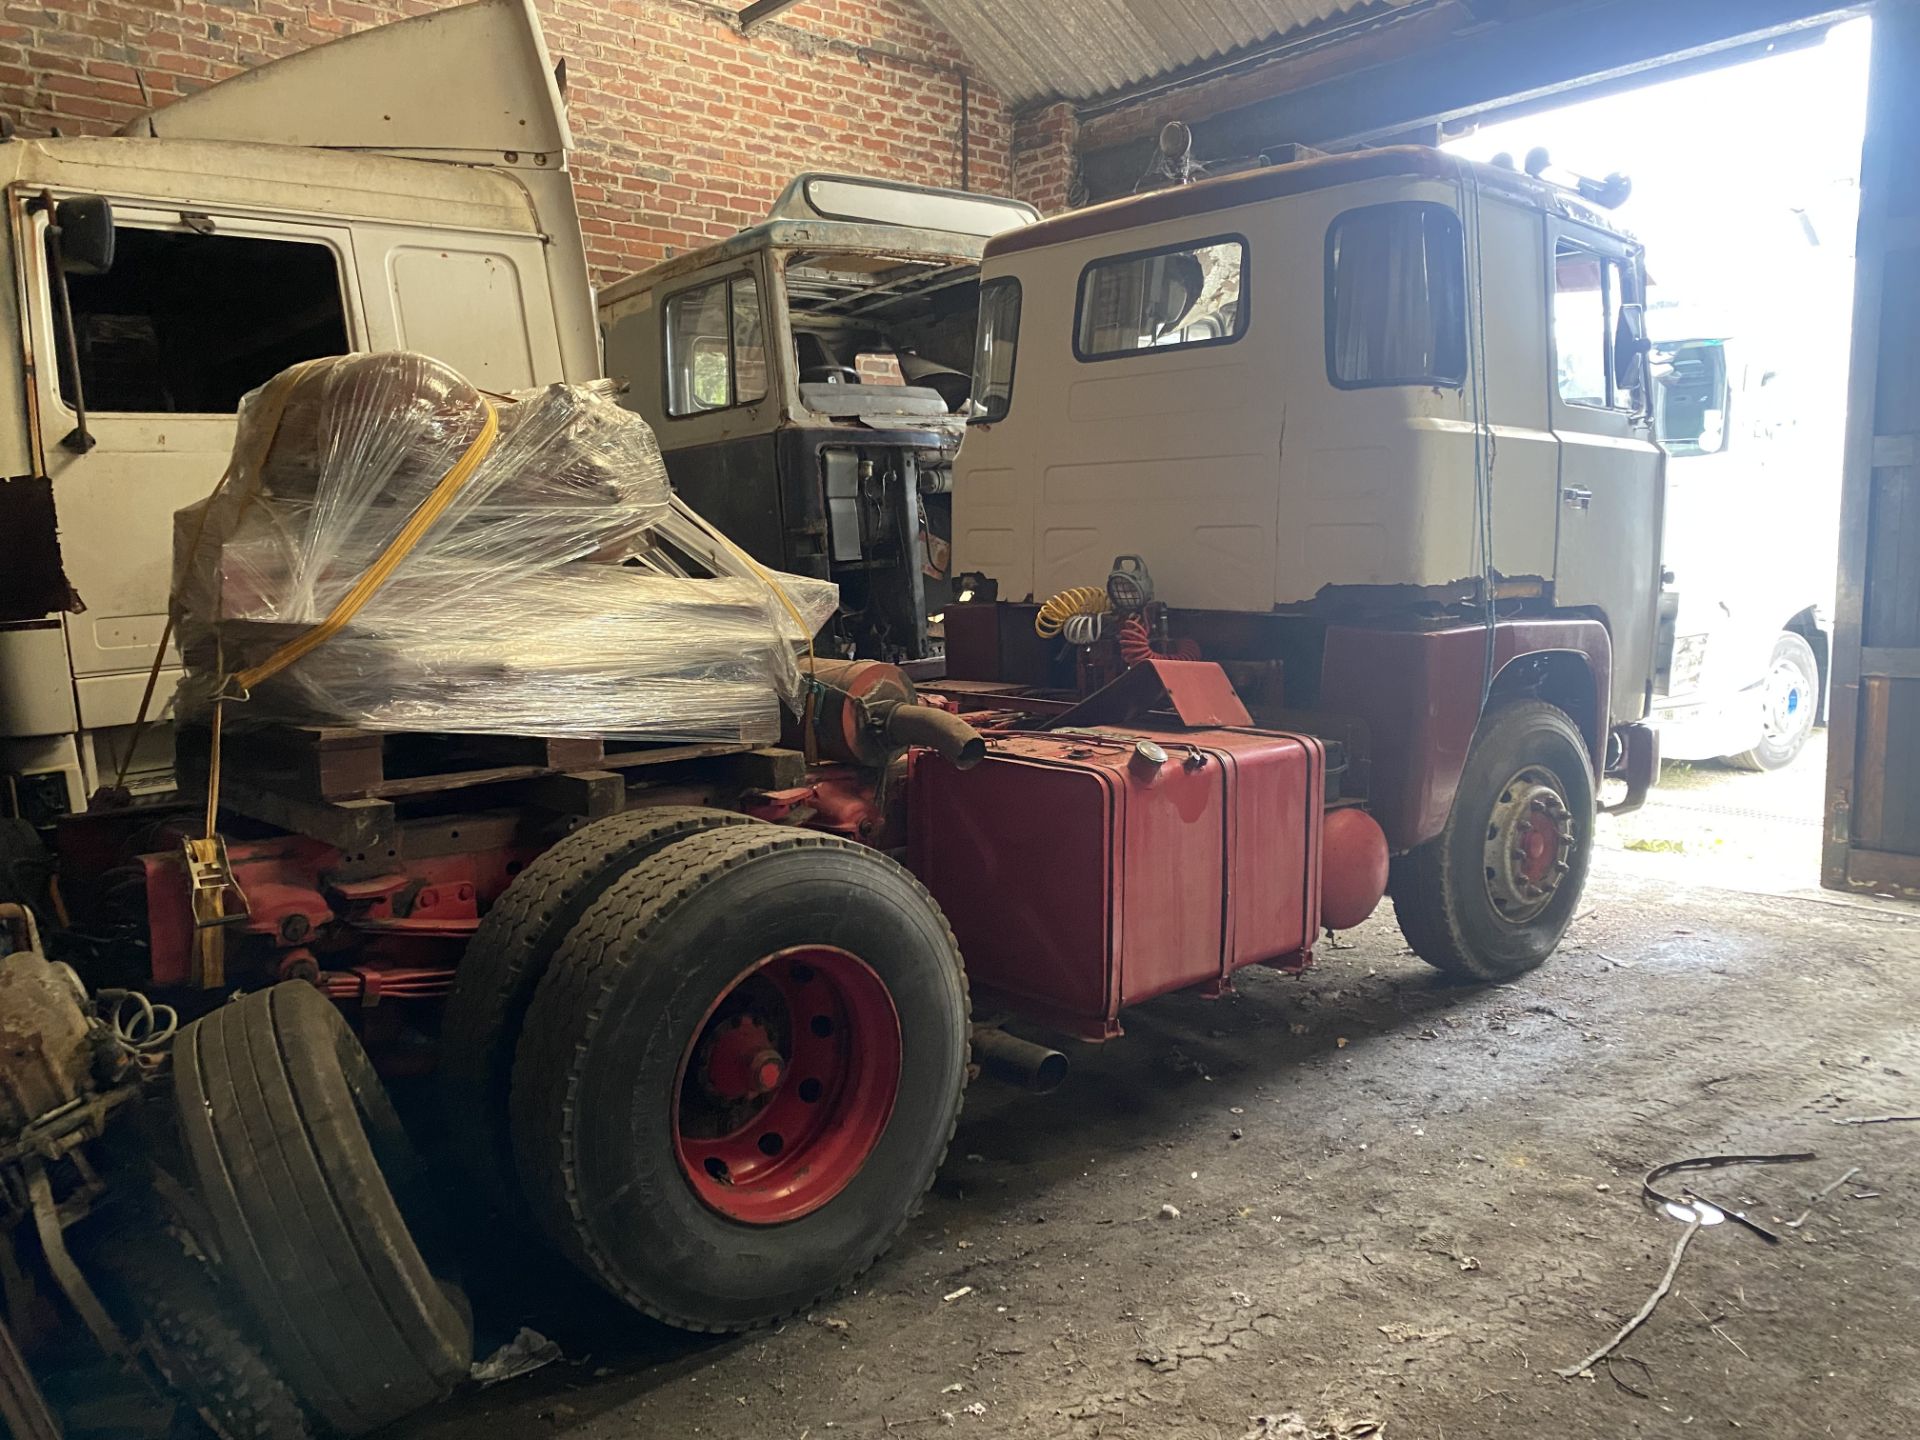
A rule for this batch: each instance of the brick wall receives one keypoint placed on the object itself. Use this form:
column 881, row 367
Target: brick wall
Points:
column 1044, row 161
column 686, row 129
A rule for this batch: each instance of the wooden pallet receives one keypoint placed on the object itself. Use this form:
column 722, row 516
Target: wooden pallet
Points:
column 342, row 785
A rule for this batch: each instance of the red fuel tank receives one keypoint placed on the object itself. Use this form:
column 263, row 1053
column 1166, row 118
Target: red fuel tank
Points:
column 1086, row 871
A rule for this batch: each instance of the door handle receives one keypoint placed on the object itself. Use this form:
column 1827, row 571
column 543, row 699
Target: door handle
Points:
column 1576, row 498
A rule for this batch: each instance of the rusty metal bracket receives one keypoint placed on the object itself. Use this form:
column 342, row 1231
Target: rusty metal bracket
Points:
column 1198, row 691
column 50, row 1221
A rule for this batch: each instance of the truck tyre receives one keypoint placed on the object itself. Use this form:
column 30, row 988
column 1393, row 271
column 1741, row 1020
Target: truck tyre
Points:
column 740, row 1074
column 197, row 1341
column 1789, row 702
column 306, row 1173
column 504, row 962
column 1491, row 895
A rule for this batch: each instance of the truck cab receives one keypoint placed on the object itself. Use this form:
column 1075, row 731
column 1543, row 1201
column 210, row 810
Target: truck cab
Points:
column 342, row 199
column 1750, row 543
column 1377, row 426
column 808, row 381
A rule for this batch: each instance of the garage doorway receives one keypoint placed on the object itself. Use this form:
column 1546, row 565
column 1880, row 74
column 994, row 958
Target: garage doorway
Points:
column 1748, row 204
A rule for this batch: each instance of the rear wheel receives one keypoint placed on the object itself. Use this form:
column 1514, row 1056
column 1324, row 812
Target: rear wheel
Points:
column 504, row 962
column 740, row 1074
column 1789, row 703
column 1491, row 895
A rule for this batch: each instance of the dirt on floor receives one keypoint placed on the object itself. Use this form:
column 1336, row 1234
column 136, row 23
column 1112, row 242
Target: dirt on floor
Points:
column 1366, row 1202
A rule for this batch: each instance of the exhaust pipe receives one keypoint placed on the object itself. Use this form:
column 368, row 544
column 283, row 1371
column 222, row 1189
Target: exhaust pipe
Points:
column 1034, row 1068
column 945, row 734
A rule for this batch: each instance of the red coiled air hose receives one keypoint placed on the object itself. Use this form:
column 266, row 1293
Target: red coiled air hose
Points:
column 1136, row 645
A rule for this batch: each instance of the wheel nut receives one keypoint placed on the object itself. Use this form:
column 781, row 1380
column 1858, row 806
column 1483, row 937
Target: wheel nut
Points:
column 767, row 1071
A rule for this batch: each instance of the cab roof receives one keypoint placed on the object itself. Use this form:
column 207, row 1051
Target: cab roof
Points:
column 1324, row 172
column 848, row 237
column 272, row 179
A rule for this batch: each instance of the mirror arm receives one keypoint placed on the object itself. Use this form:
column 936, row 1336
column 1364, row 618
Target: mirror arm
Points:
column 81, row 439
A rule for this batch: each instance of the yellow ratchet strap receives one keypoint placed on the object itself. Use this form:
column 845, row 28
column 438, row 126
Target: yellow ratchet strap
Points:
column 210, row 874
column 377, row 574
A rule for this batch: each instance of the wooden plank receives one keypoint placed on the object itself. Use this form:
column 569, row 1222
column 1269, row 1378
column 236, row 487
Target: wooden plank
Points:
column 414, row 786
column 670, row 754
column 316, row 764
column 1883, row 402
column 1899, row 766
column 1870, row 782
column 1890, row 662
column 1891, row 450
column 1883, row 873
column 360, row 828
column 1892, row 598
column 771, row 769
column 591, row 794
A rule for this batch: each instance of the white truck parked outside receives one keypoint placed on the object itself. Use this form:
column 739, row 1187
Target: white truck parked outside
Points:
column 1750, row 546
column 404, row 188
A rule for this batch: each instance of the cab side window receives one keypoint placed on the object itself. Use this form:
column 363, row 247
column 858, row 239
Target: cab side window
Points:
column 716, row 347
column 186, row 321
column 1396, row 297
column 1588, row 289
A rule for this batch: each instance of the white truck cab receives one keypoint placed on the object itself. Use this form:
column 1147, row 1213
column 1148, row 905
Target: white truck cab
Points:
column 1390, row 378
column 807, row 379
column 404, row 188
column 1750, row 544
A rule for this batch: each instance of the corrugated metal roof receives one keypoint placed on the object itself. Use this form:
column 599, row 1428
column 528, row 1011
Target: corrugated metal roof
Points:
column 1078, row 49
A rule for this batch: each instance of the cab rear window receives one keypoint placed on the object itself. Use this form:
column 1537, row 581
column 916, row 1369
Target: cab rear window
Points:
column 1177, row 295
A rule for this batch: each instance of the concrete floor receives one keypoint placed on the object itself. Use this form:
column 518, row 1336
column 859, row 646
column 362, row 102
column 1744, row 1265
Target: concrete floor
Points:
column 1401, row 1204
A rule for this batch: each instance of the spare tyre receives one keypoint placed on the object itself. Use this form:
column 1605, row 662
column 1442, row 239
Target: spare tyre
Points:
column 311, row 1185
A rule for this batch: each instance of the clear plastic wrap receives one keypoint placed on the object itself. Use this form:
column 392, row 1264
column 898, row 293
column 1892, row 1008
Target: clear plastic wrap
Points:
column 536, row 602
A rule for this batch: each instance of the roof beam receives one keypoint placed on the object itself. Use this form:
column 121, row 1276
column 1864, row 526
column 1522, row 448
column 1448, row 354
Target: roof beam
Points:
column 761, row 10
column 1384, row 86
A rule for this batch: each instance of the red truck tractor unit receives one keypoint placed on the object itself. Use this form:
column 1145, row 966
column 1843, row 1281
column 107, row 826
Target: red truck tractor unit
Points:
column 1306, row 535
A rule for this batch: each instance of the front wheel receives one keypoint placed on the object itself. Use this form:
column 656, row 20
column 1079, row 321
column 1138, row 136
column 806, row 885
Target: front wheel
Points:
column 740, row 1073
column 1789, row 701
column 1491, row 895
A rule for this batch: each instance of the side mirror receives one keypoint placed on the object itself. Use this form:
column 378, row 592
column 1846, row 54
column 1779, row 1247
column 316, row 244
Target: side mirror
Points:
column 1630, row 347
column 86, row 234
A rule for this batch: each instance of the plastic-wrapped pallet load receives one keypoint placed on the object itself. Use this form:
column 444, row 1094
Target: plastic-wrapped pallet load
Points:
column 391, row 548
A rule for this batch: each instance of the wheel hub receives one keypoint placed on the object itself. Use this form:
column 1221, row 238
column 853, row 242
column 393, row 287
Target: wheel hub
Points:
column 1786, row 705
column 788, row 1085
column 741, row 1061
column 1529, row 845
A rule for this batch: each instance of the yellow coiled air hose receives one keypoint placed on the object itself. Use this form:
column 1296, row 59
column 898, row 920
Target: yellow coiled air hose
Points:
column 1081, row 600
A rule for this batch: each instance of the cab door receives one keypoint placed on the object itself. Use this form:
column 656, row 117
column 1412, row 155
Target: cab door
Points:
column 700, row 358
column 1611, row 475
column 198, row 308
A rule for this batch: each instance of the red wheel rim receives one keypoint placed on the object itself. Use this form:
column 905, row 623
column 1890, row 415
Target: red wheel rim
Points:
column 787, row 1086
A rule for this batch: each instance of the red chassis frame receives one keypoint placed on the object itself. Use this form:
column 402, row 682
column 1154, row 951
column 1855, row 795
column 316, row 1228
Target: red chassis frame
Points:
column 1185, row 868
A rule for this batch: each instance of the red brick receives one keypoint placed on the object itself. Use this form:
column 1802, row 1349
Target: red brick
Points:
column 686, row 129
